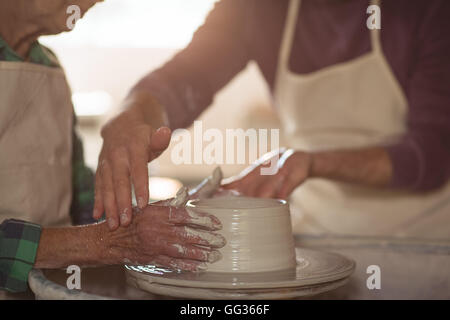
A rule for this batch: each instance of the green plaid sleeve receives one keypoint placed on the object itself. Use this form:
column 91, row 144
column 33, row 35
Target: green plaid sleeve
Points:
column 83, row 180
column 19, row 241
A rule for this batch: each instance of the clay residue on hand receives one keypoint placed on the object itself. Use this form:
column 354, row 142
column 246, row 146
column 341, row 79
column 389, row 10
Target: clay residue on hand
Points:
column 203, row 220
column 213, row 240
column 205, row 189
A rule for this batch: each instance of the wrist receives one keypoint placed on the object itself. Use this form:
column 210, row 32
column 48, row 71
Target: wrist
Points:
column 81, row 245
column 95, row 238
column 313, row 166
column 118, row 245
column 302, row 159
column 322, row 164
column 309, row 164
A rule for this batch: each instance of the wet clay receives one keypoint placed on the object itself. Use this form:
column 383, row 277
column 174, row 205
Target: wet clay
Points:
column 258, row 233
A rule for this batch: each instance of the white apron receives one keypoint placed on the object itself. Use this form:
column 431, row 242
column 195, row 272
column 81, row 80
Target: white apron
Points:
column 36, row 117
column 359, row 103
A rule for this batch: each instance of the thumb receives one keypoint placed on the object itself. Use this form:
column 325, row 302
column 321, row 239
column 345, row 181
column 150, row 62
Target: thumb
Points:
column 160, row 140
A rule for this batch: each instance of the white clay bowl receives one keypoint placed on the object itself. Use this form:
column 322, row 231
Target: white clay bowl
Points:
column 259, row 260
column 258, row 233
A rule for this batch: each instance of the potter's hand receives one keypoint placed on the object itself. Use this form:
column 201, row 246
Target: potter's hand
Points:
column 171, row 237
column 161, row 235
column 291, row 168
column 130, row 141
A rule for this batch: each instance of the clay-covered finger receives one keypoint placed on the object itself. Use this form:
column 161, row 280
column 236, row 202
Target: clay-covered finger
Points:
column 180, row 264
column 198, row 237
column 194, row 218
column 184, row 216
column 187, row 251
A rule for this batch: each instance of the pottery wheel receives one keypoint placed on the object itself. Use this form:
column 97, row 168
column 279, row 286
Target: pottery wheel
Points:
column 316, row 272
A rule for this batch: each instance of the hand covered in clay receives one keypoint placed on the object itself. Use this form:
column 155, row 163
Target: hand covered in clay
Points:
column 170, row 237
column 291, row 167
column 129, row 144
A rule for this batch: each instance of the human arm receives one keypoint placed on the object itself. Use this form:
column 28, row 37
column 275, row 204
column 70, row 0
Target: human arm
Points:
column 162, row 235
column 420, row 160
column 173, row 96
column 370, row 167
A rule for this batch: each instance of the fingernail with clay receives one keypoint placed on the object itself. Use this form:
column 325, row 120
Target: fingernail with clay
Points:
column 124, row 217
column 141, row 203
column 214, row 256
column 204, row 220
column 218, row 241
column 212, row 239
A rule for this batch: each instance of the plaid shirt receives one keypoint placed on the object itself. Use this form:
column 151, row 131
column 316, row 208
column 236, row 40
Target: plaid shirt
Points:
column 18, row 247
column 19, row 240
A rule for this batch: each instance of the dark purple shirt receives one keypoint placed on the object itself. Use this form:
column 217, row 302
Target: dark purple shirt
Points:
column 415, row 37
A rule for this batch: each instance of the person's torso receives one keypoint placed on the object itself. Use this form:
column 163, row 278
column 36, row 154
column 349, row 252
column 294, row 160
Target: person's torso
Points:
column 330, row 32
column 35, row 140
column 356, row 103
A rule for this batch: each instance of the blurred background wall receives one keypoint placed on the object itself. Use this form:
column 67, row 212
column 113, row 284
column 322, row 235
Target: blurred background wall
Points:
column 119, row 41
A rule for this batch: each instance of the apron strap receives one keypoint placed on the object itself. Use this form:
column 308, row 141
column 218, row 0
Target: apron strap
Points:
column 288, row 34
column 375, row 33
column 290, row 28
